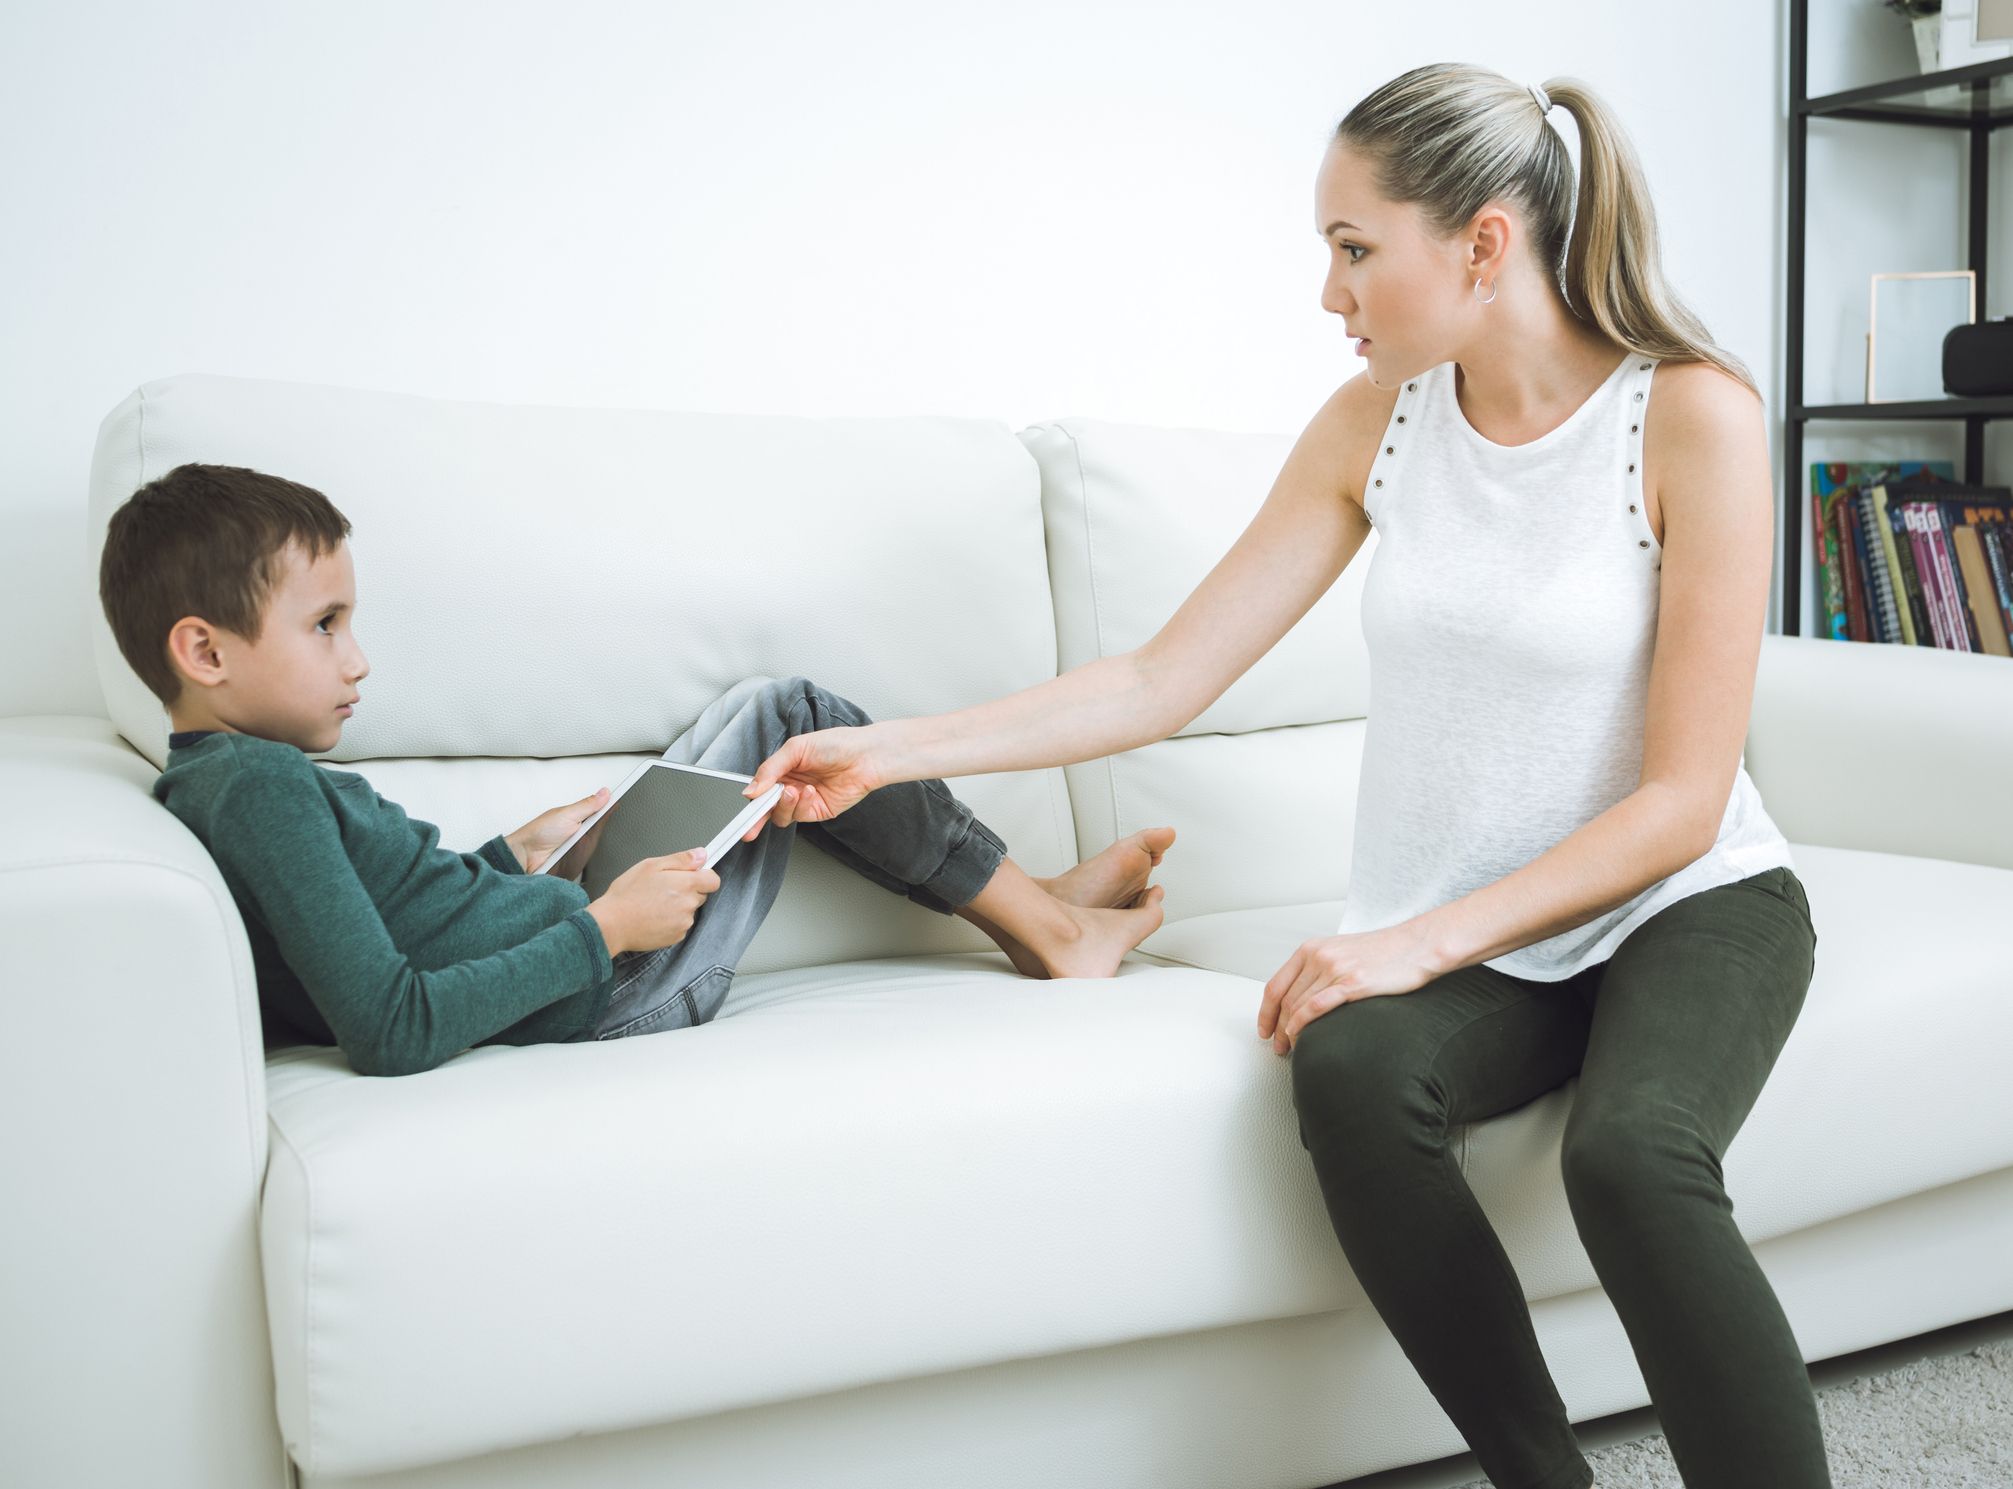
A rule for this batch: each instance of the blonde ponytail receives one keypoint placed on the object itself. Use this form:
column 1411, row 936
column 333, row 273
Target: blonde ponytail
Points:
column 1452, row 136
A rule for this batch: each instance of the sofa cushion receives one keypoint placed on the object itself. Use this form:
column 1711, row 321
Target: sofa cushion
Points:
column 548, row 581
column 1261, row 819
column 1138, row 515
column 1262, row 782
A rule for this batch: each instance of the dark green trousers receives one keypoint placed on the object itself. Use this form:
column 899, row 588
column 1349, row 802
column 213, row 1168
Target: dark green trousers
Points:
column 1671, row 1037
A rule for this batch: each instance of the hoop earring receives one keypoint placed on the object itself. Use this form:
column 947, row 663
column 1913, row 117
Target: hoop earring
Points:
column 1478, row 294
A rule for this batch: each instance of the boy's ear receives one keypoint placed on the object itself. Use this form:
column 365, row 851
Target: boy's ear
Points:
column 194, row 653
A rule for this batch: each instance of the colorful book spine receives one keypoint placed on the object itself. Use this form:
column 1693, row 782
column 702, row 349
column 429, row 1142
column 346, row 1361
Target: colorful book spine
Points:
column 1997, row 560
column 1919, row 633
column 1982, row 606
column 1963, row 629
column 2000, row 559
column 1904, row 613
column 1830, row 579
column 1849, row 571
column 1925, row 569
column 1873, row 562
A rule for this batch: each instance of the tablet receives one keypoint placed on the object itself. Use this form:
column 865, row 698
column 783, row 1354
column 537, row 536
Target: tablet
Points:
column 662, row 808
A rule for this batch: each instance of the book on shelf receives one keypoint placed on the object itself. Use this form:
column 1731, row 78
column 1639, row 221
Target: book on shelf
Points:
column 1907, row 555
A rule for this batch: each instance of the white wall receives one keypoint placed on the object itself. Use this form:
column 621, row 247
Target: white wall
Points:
column 1017, row 212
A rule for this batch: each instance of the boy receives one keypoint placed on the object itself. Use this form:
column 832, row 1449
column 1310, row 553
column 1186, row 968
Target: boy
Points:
column 231, row 594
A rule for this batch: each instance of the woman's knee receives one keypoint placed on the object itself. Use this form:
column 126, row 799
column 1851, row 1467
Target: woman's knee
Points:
column 1625, row 1159
column 1353, row 1081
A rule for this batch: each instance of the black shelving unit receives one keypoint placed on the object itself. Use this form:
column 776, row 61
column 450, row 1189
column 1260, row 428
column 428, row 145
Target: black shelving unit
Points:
column 1986, row 105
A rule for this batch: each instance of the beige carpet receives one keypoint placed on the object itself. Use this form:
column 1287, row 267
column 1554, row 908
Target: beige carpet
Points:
column 1939, row 1423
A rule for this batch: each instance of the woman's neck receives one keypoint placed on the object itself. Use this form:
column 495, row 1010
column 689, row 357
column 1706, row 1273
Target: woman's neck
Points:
column 1531, row 372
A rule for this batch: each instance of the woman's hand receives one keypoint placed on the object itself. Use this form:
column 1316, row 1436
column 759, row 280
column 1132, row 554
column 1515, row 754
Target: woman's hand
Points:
column 1337, row 969
column 822, row 774
column 533, row 843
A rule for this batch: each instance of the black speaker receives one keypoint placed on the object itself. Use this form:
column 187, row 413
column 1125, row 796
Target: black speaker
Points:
column 1978, row 358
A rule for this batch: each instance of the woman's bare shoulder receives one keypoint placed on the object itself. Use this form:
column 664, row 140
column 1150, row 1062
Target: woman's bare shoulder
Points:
column 1356, row 415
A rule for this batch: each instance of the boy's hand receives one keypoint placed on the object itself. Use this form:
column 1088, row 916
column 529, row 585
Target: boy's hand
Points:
column 534, row 842
column 652, row 902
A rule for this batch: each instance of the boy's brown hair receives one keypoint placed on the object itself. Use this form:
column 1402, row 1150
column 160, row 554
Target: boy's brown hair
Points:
column 203, row 540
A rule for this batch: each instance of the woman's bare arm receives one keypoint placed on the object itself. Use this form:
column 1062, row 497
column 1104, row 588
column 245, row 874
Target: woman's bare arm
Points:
column 1293, row 550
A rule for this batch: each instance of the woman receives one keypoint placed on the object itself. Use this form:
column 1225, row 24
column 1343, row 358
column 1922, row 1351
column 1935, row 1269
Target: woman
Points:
column 1561, row 865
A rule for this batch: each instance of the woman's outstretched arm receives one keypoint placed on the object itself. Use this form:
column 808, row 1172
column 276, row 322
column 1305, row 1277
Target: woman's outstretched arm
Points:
column 1309, row 528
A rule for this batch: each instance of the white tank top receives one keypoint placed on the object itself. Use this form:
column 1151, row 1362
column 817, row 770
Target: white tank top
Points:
column 1510, row 614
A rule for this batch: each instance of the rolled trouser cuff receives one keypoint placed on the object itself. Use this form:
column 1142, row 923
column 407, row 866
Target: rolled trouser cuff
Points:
column 969, row 866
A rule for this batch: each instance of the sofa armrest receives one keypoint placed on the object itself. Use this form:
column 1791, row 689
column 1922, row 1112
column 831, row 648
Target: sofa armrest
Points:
column 1898, row 749
column 132, row 1092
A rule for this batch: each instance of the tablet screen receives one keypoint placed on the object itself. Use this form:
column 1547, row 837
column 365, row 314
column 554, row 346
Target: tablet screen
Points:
column 666, row 811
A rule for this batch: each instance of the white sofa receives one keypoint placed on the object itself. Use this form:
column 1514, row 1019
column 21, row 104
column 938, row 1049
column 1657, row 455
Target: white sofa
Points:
column 899, row 1217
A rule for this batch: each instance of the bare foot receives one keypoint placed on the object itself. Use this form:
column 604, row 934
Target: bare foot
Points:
column 1097, row 938
column 1115, row 877
column 1024, row 961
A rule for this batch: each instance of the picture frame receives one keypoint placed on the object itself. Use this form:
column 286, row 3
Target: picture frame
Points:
column 1974, row 31
column 1907, row 317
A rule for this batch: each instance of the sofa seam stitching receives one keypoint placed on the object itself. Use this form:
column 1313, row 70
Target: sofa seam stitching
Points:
column 1096, row 612
column 1058, row 779
column 307, row 1299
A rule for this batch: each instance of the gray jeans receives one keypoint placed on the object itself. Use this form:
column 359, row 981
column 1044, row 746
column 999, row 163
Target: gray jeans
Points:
column 913, row 838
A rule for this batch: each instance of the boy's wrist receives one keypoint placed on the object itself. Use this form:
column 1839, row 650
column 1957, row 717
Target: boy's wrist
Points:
column 610, row 930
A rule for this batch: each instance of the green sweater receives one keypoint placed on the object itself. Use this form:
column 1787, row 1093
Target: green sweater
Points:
column 365, row 933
